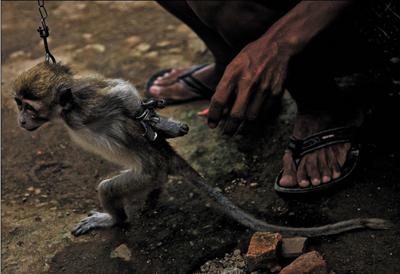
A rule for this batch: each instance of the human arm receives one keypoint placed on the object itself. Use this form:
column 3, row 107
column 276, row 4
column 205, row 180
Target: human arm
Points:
column 259, row 71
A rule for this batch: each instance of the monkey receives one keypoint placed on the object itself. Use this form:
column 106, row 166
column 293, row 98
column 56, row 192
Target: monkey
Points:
column 108, row 117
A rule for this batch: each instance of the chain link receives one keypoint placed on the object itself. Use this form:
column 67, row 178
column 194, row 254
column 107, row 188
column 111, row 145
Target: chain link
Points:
column 44, row 31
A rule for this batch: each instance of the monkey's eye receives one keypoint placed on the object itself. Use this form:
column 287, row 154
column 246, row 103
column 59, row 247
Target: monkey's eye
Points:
column 18, row 102
column 30, row 108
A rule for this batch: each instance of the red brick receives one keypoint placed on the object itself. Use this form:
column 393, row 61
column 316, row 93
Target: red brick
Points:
column 293, row 247
column 262, row 249
column 308, row 263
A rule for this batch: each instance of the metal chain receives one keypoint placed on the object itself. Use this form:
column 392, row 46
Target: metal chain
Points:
column 44, row 31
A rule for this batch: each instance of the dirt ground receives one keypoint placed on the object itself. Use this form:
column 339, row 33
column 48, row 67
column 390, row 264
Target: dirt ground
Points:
column 48, row 183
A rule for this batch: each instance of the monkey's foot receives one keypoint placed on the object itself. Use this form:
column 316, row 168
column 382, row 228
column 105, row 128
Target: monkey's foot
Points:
column 93, row 221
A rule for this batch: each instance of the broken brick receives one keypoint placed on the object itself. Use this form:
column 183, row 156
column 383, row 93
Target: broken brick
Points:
column 308, row 263
column 262, row 249
column 293, row 247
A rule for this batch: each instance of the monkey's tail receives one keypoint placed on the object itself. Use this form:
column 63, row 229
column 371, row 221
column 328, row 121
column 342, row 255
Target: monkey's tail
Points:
column 255, row 224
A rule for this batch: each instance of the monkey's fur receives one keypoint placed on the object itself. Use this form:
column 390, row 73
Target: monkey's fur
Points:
column 100, row 115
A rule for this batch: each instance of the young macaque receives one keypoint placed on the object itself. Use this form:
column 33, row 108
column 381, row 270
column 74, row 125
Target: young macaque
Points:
column 108, row 117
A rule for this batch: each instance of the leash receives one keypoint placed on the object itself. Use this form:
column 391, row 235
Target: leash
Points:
column 44, row 32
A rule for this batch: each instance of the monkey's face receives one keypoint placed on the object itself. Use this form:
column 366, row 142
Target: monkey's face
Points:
column 32, row 113
column 38, row 91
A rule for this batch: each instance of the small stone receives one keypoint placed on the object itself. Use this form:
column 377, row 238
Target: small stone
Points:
column 217, row 189
column 133, row 41
column 38, row 191
column 236, row 252
column 232, row 270
column 293, row 247
column 308, row 263
column 175, row 50
column 18, row 54
column 31, row 189
column 97, row 47
column 164, row 43
column 197, row 46
column 122, row 252
column 262, row 248
column 152, row 54
column 143, row 47
column 87, row 36
column 254, row 185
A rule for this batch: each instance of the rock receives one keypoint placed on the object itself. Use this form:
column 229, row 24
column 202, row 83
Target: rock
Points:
column 122, row 252
column 232, row 270
column 175, row 50
column 308, row 263
column 293, row 247
column 164, row 43
column 87, row 36
column 236, row 252
column 143, row 47
column 254, row 185
column 97, row 47
column 152, row 54
column 133, row 41
column 197, row 46
column 19, row 54
column 262, row 249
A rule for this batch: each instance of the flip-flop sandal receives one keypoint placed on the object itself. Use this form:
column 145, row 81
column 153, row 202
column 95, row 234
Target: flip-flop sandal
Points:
column 322, row 139
column 187, row 78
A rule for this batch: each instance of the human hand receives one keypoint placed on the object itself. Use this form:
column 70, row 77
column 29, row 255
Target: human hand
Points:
column 256, row 74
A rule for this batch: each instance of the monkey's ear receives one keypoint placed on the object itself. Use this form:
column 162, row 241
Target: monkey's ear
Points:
column 64, row 98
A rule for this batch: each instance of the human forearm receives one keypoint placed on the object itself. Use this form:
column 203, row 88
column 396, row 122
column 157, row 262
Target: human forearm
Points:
column 305, row 21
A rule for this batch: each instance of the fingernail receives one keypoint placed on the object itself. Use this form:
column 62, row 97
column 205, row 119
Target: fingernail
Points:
column 204, row 112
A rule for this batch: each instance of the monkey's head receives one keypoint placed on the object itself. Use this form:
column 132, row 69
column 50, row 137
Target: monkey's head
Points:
column 41, row 93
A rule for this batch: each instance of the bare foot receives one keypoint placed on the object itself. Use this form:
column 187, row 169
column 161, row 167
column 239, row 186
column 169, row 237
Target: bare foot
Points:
column 167, row 86
column 320, row 166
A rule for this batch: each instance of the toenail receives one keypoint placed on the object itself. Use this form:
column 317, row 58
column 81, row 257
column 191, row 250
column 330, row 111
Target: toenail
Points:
column 285, row 181
column 326, row 179
column 336, row 174
column 304, row 183
column 155, row 90
column 316, row 181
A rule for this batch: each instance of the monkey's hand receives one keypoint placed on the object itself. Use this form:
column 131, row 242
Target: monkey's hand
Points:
column 169, row 128
column 93, row 221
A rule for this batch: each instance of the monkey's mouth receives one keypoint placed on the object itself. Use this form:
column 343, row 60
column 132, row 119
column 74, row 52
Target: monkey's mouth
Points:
column 30, row 128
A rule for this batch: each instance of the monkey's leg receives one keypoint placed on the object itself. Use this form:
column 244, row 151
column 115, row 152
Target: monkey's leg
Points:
column 111, row 194
column 121, row 197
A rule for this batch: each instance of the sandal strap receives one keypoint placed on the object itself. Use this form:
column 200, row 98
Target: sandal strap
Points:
column 194, row 84
column 301, row 147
